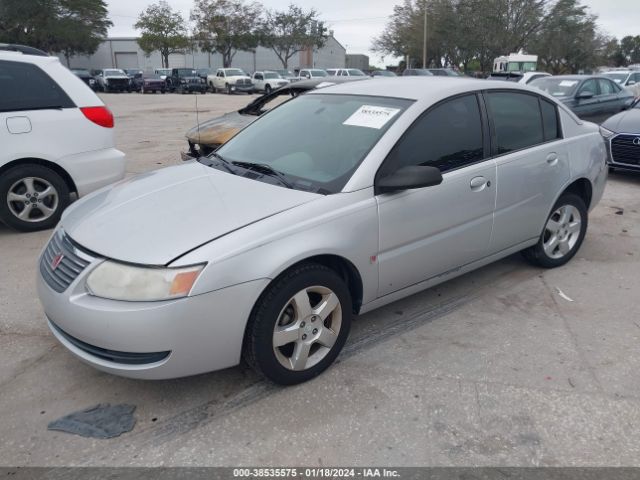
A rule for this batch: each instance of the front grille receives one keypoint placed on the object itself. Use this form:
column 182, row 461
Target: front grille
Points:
column 62, row 262
column 127, row 358
column 624, row 151
column 243, row 81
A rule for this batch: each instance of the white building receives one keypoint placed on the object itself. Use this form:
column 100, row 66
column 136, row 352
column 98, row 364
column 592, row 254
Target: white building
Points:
column 125, row 53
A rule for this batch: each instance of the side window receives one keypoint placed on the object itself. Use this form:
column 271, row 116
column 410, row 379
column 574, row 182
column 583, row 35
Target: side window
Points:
column 24, row 86
column 258, row 76
column 448, row 136
column 635, row 77
column 550, row 121
column 516, row 120
column 606, row 87
column 589, row 86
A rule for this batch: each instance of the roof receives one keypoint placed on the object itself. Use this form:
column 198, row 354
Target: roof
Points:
column 419, row 88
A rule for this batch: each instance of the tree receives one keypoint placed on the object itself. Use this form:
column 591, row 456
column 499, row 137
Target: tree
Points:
column 67, row 26
column 163, row 30
column 630, row 48
column 460, row 31
column 226, row 27
column 568, row 42
column 291, row 31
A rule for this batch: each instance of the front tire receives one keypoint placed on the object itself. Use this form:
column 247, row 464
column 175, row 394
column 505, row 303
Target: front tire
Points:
column 299, row 325
column 563, row 233
column 229, row 91
column 267, row 89
column 33, row 198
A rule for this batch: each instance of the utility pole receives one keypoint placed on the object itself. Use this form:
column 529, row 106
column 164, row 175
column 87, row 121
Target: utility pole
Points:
column 424, row 46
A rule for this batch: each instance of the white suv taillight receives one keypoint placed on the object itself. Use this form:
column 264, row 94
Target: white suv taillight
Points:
column 99, row 115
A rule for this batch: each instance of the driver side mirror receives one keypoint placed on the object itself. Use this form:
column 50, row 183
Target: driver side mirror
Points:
column 584, row 95
column 409, row 178
column 631, row 82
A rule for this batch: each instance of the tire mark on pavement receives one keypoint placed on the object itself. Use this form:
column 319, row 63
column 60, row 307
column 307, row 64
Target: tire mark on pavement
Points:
column 203, row 414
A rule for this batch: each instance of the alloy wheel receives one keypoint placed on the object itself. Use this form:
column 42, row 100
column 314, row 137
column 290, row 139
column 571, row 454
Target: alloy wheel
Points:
column 307, row 328
column 562, row 231
column 32, row 199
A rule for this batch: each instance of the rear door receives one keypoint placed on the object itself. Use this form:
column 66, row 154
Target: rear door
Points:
column 532, row 164
column 431, row 231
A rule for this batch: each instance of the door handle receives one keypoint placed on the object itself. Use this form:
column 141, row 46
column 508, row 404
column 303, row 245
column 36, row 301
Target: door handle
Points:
column 478, row 184
column 552, row 158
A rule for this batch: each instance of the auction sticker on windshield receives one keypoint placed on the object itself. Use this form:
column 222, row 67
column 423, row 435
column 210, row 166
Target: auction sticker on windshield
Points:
column 371, row 116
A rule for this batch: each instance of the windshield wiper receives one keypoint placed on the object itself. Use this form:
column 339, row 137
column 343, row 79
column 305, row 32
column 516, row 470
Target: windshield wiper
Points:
column 265, row 169
column 225, row 163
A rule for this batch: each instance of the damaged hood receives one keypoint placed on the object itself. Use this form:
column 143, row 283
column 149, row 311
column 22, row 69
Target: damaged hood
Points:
column 156, row 217
column 219, row 131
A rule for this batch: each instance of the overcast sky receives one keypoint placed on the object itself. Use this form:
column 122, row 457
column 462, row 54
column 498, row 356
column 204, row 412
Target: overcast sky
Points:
column 356, row 22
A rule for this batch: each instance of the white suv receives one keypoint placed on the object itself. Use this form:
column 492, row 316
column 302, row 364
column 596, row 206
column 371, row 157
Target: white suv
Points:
column 57, row 139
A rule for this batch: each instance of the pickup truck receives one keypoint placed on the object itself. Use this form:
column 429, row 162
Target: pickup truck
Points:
column 185, row 80
column 230, row 80
column 267, row 81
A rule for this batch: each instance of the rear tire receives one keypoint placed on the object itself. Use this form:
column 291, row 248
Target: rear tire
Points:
column 299, row 324
column 562, row 235
column 32, row 197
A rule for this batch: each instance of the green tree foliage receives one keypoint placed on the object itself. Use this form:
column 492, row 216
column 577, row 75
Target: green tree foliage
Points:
column 630, row 48
column 226, row 27
column 473, row 32
column 291, row 31
column 569, row 40
column 163, row 30
column 67, row 26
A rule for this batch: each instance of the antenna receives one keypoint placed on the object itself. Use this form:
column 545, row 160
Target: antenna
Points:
column 198, row 122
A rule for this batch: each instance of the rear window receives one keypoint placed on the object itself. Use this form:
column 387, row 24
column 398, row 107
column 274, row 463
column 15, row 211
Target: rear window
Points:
column 24, row 86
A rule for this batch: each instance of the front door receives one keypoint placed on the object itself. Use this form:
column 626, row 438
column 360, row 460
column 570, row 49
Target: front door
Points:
column 588, row 108
column 427, row 232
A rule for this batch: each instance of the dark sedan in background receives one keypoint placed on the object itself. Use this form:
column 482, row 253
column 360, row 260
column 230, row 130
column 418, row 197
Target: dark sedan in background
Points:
column 86, row 77
column 592, row 98
column 622, row 132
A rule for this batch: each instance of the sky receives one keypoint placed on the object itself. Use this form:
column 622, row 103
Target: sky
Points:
column 356, row 22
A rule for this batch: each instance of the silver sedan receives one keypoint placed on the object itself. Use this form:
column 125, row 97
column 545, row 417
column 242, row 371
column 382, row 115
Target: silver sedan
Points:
column 331, row 205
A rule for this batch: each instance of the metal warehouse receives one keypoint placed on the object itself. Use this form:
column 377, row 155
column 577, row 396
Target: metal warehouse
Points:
column 125, row 53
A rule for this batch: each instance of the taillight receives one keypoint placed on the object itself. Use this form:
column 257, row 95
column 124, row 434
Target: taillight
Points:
column 99, row 115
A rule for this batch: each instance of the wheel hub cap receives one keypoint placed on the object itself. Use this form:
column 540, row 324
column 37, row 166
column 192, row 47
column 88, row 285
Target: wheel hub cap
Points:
column 562, row 231
column 32, row 199
column 307, row 328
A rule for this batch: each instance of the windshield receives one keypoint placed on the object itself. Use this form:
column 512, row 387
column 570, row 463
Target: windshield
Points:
column 234, row 72
column 81, row 72
column 113, row 73
column 354, row 72
column 152, row 76
column 556, row 86
column 617, row 77
column 285, row 73
column 271, row 75
column 186, row 72
column 292, row 139
column 318, row 73
column 163, row 71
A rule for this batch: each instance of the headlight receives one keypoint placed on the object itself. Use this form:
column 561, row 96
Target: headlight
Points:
column 91, row 81
column 606, row 134
column 119, row 281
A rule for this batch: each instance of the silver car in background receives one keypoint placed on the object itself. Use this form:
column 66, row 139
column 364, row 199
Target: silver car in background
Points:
column 331, row 205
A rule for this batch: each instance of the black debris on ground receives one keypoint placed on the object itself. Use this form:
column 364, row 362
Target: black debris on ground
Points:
column 100, row 421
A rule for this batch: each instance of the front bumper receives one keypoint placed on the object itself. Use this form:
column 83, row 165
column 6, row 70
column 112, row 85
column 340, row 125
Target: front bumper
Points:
column 242, row 88
column 168, row 339
column 193, row 87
